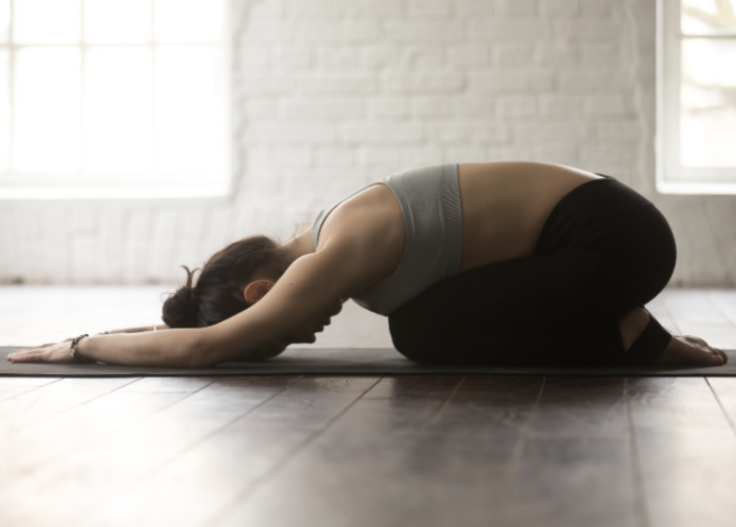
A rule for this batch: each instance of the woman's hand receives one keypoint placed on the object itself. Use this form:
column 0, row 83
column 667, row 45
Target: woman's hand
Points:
column 53, row 352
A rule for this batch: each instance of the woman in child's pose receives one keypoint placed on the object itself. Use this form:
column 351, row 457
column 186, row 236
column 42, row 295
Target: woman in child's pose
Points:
column 510, row 263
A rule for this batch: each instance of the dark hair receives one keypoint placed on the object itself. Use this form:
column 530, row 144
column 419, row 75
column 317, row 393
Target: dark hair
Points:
column 218, row 294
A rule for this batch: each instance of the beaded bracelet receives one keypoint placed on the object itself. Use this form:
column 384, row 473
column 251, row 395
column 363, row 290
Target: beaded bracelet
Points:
column 73, row 347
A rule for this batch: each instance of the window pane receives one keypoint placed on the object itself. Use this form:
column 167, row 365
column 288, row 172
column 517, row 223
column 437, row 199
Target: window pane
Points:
column 708, row 17
column 4, row 21
column 189, row 20
column 46, row 21
column 189, row 112
column 47, row 109
column 4, row 111
column 117, row 115
column 708, row 103
column 117, row 21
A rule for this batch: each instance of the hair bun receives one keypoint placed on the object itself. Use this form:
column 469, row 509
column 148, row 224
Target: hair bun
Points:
column 181, row 309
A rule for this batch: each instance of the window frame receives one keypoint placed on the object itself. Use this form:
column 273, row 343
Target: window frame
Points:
column 672, row 177
column 166, row 187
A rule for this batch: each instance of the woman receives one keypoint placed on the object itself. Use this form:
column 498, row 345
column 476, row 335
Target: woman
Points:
column 493, row 263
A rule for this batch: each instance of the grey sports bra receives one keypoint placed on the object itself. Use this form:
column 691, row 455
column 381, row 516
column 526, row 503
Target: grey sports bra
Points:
column 430, row 201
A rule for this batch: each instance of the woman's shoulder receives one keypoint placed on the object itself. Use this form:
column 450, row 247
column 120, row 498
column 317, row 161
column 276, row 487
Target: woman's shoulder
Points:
column 368, row 228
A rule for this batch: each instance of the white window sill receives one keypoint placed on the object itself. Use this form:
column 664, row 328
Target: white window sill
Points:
column 688, row 187
column 114, row 193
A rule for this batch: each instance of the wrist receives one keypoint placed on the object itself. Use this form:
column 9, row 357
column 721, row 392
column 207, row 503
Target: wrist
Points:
column 83, row 350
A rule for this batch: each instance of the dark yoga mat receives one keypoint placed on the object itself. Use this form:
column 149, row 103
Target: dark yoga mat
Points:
column 341, row 362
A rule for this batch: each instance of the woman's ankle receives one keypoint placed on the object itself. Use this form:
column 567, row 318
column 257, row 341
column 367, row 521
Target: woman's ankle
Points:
column 631, row 325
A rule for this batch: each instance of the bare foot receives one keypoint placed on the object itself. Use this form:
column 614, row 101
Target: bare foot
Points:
column 682, row 349
column 687, row 349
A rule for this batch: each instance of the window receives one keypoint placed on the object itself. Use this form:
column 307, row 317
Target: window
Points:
column 697, row 97
column 113, row 98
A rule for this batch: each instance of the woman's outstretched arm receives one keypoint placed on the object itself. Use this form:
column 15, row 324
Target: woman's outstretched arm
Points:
column 308, row 291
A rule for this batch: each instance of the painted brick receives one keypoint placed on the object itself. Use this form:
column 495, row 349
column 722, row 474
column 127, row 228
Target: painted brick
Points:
column 319, row 9
column 584, row 30
column 335, row 59
column 428, row 58
column 261, row 108
column 591, row 81
column 265, row 84
column 514, row 54
column 336, row 156
column 336, row 84
column 564, row 106
column 601, row 9
column 548, row 132
column 516, row 7
column 562, row 153
column 378, row 9
column 474, row 7
column 421, row 156
column 469, row 133
column 377, row 57
column 344, row 32
column 323, row 109
column 504, row 153
column 424, row 82
column 628, row 131
column 377, row 134
column 468, row 55
column 379, row 156
column 254, row 59
column 559, row 8
column 590, row 155
column 424, row 31
column 499, row 30
column 429, row 106
column 293, row 58
column 273, row 133
column 516, row 106
column 597, row 54
column 461, row 154
column 276, row 32
column 267, row 9
column 385, row 107
column 512, row 82
column 472, row 108
column 428, row 8
column 607, row 105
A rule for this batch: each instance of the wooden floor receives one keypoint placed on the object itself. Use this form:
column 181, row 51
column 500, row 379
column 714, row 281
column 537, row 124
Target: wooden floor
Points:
column 393, row 451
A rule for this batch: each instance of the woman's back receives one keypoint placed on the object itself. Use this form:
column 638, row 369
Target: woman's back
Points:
column 504, row 206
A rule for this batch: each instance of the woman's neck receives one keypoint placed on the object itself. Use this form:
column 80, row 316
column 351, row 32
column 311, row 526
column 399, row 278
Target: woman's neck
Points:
column 298, row 247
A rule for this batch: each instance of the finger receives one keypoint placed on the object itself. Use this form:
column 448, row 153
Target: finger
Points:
column 29, row 357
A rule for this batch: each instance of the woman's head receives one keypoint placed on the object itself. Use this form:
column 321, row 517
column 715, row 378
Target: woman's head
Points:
column 218, row 294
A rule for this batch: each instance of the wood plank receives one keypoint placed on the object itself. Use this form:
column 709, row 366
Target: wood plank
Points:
column 74, row 484
column 724, row 389
column 231, row 463
column 346, row 464
column 687, row 451
column 53, row 399
column 455, row 470
column 31, row 449
column 578, row 443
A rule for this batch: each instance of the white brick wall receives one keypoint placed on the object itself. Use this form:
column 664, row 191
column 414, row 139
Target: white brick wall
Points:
column 332, row 94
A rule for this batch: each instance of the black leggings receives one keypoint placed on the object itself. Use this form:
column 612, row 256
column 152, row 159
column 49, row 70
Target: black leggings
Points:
column 603, row 251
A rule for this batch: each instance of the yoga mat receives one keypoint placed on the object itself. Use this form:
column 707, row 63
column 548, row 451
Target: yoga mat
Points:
column 342, row 361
